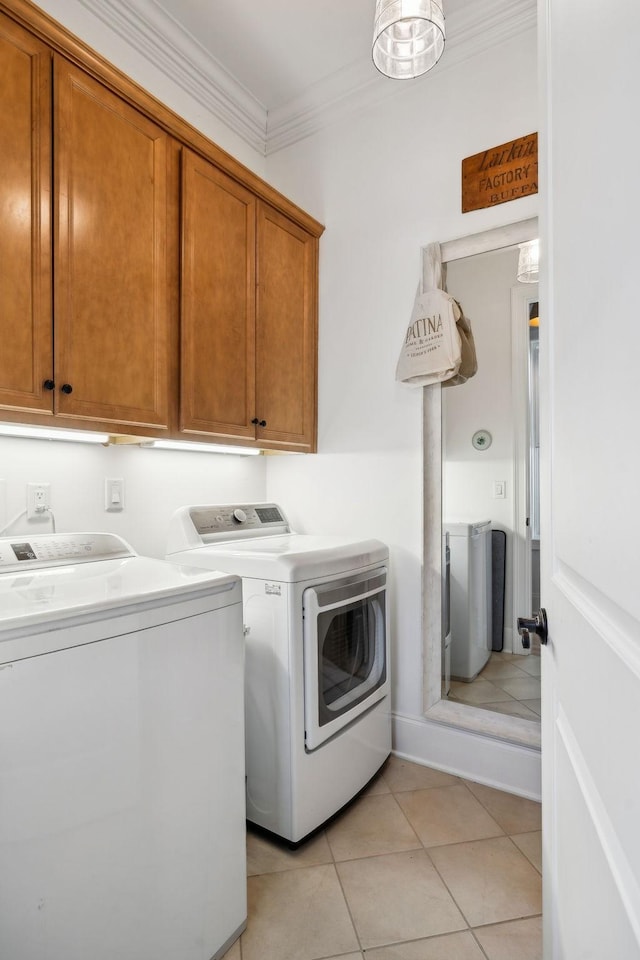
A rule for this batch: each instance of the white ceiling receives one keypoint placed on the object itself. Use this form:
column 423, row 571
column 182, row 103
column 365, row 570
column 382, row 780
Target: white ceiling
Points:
column 277, row 48
column 277, row 70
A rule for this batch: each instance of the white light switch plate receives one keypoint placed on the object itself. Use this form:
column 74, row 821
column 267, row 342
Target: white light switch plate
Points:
column 114, row 494
column 499, row 489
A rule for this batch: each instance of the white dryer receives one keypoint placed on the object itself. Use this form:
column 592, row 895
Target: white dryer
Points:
column 122, row 828
column 316, row 613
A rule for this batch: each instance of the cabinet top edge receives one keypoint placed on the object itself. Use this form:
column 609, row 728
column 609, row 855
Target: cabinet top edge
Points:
column 65, row 43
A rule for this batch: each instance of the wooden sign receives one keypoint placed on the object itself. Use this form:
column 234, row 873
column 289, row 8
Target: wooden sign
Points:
column 500, row 174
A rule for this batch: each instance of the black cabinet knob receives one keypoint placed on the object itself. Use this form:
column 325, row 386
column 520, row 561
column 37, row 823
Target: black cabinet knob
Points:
column 263, row 423
column 255, row 421
column 66, row 388
column 49, row 384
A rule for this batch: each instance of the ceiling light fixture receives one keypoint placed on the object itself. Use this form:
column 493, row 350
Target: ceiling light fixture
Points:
column 199, row 447
column 408, row 37
column 528, row 261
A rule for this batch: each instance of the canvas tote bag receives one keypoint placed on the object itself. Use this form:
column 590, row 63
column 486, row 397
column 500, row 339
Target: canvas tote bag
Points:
column 432, row 349
column 469, row 361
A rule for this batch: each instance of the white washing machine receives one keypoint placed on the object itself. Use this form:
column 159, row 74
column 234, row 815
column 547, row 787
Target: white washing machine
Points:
column 316, row 613
column 122, row 828
column 470, row 597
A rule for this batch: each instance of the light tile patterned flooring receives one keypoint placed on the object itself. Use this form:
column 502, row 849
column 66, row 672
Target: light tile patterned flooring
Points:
column 508, row 684
column 422, row 866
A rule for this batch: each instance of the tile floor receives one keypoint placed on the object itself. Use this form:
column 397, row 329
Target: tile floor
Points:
column 422, row 866
column 508, row 684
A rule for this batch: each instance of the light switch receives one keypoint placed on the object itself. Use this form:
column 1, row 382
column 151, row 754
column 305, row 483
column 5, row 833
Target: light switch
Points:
column 499, row 489
column 113, row 494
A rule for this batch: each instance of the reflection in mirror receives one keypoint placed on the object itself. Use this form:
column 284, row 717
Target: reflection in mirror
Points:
column 534, row 458
column 490, row 516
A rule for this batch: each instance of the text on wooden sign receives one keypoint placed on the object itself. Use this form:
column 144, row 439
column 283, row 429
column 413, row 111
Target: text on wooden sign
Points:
column 501, row 173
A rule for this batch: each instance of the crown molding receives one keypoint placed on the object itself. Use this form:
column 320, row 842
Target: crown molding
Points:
column 146, row 27
column 360, row 85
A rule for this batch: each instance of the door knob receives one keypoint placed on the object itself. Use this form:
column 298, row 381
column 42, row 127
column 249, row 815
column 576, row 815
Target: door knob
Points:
column 49, row 384
column 255, row 421
column 263, row 423
column 66, row 388
column 537, row 625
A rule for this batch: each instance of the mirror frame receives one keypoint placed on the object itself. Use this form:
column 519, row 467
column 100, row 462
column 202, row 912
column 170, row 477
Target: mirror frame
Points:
column 474, row 719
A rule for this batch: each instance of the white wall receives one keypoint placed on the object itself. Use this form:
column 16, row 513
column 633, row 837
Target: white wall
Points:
column 157, row 482
column 385, row 182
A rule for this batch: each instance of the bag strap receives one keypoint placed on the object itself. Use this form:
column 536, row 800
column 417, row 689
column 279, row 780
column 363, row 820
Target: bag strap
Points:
column 431, row 267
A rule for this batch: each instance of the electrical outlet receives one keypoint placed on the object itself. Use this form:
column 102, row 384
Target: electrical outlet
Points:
column 38, row 499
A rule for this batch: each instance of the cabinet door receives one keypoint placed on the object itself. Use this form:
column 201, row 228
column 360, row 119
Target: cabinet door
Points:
column 286, row 333
column 111, row 296
column 217, row 388
column 26, row 359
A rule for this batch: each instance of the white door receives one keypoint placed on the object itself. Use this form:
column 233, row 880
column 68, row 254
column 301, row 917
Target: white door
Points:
column 590, row 351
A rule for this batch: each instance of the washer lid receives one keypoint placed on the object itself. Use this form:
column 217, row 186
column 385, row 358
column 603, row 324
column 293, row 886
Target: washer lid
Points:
column 289, row 558
column 41, row 591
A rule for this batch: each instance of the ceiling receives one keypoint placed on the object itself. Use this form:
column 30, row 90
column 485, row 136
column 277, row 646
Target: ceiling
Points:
column 277, row 48
column 277, row 70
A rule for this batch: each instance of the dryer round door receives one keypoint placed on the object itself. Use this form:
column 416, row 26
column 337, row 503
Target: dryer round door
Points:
column 345, row 652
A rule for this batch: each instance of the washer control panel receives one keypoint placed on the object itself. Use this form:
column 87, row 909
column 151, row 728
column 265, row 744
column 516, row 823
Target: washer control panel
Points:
column 18, row 553
column 231, row 519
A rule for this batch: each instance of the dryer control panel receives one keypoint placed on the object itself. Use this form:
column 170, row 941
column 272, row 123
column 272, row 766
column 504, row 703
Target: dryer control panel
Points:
column 228, row 521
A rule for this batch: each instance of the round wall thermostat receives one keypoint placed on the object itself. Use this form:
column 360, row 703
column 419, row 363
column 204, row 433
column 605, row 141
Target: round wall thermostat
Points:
column 481, row 440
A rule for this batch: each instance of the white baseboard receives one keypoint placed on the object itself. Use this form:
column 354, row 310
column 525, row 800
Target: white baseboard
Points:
column 508, row 641
column 496, row 763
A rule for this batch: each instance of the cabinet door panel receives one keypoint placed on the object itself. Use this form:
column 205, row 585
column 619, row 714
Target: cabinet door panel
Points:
column 286, row 332
column 218, row 302
column 26, row 358
column 111, row 292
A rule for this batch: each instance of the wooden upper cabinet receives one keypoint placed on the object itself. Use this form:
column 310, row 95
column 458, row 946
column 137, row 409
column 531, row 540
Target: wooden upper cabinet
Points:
column 149, row 283
column 286, row 333
column 248, row 367
column 217, row 394
column 112, row 299
column 26, row 338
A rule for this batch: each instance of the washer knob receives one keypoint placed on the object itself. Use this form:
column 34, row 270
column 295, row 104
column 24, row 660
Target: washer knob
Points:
column 239, row 515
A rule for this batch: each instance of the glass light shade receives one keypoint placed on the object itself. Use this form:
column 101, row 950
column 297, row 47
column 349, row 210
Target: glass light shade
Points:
column 408, row 37
column 528, row 261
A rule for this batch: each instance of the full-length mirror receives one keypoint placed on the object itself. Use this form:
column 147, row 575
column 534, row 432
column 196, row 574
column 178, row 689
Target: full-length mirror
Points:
column 480, row 461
